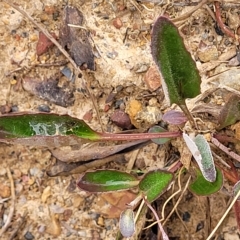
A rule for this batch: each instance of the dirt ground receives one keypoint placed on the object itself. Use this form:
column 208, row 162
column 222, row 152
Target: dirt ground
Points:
column 53, row 208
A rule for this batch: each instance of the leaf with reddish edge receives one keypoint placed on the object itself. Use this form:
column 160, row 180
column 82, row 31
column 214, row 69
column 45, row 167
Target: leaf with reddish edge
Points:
column 106, row 181
column 126, row 223
column 154, row 183
column 174, row 117
column 179, row 74
column 46, row 129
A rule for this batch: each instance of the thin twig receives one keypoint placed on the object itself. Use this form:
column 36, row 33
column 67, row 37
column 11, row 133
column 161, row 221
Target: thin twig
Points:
column 178, row 201
column 225, row 149
column 132, row 160
column 187, row 14
column 12, row 207
column 20, row 225
column 64, row 52
column 164, row 235
column 224, row 216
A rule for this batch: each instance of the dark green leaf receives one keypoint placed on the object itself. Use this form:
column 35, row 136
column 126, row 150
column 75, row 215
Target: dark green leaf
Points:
column 106, row 180
column 154, row 183
column 180, row 76
column 203, row 187
column 230, row 112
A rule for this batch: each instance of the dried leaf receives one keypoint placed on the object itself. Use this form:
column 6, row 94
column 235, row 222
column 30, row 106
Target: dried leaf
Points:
column 174, row 117
column 76, row 39
column 230, row 113
column 97, row 150
column 66, row 169
column 49, row 90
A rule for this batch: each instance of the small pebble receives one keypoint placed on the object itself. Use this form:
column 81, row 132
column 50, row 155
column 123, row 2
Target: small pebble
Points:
column 117, row 23
column 140, row 68
column 5, row 191
column 152, row 79
column 121, row 119
column 67, row 214
column 208, row 53
column 44, row 108
column 28, row 236
column 46, row 193
column 132, row 109
column 77, row 201
column 15, row 108
column 100, row 221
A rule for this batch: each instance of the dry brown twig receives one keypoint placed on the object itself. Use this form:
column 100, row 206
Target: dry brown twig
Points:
column 63, row 51
column 188, row 14
column 225, row 149
column 12, row 207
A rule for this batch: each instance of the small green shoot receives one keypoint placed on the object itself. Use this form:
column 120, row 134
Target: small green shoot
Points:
column 202, row 187
column 179, row 74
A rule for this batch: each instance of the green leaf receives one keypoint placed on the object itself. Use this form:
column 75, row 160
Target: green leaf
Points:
column 106, row 180
column 154, row 183
column 156, row 129
column 41, row 124
column 180, row 77
column 52, row 130
column 126, row 223
column 203, row 187
column 230, row 112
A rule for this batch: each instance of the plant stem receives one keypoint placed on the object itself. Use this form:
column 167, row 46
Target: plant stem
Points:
column 188, row 114
column 137, row 136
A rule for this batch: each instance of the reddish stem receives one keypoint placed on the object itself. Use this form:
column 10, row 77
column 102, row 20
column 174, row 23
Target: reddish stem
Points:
column 138, row 136
column 223, row 27
column 224, row 138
